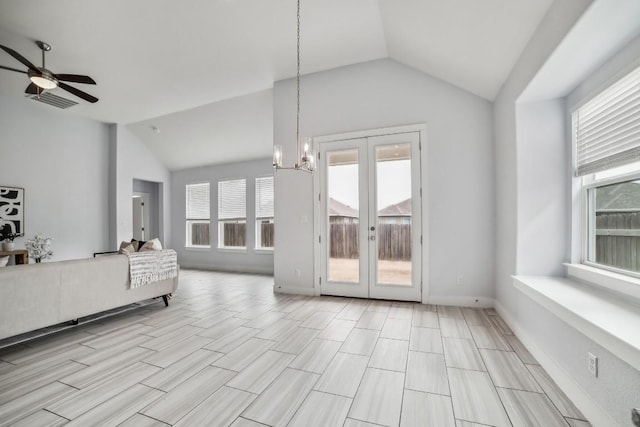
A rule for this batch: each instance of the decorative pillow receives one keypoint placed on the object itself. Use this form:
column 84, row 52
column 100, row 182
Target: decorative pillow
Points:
column 137, row 244
column 3, row 261
column 127, row 248
column 151, row 245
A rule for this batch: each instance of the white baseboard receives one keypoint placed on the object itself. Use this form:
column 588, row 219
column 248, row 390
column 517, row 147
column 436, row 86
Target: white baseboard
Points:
column 480, row 302
column 594, row 413
column 228, row 268
column 295, row 290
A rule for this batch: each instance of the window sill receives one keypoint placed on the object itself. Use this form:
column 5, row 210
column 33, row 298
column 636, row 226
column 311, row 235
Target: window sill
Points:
column 198, row 248
column 263, row 251
column 233, row 250
column 602, row 316
column 611, row 280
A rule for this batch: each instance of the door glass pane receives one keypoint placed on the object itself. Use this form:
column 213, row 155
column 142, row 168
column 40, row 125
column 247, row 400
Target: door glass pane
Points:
column 343, row 219
column 393, row 198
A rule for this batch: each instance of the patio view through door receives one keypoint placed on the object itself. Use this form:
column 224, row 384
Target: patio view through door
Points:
column 371, row 217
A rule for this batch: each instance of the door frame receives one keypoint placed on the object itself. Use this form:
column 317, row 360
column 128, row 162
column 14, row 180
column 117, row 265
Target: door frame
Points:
column 317, row 217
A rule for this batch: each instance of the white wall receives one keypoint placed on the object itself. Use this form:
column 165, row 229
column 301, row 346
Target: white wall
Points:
column 215, row 259
column 459, row 169
column 560, row 18
column 533, row 212
column 131, row 159
column 62, row 163
column 542, row 169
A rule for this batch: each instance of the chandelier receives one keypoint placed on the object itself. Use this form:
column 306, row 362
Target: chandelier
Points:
column 305, row 152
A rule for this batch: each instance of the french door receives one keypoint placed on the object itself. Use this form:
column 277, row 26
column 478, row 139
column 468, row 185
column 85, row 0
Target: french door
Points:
column 370, row 217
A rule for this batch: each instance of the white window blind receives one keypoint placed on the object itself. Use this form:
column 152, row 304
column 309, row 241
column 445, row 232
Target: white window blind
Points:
column 198, row 201
column 607, row 128
column 232, row 203
column 264, row 197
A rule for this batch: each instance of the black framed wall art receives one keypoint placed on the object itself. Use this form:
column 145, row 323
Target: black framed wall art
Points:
column 12, row 209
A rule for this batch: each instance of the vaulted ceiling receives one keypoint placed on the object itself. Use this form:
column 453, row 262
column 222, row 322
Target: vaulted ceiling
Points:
column 152, row 58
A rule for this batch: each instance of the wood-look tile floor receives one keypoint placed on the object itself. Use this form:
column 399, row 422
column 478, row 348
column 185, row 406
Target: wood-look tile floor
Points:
column 230, row 352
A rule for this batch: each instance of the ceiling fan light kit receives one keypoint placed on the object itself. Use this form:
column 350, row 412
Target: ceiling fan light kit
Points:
column 44, row 79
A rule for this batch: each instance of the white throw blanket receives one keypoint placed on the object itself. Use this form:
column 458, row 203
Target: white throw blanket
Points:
column 152, row 266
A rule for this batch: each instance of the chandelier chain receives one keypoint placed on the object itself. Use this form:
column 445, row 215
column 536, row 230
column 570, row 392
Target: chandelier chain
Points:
column 298, row 87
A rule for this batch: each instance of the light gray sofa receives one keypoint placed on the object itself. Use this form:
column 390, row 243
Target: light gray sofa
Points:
column 34, row 296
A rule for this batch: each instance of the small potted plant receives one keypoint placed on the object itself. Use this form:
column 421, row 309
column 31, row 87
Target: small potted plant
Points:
column 7, row 236
column 39, row 248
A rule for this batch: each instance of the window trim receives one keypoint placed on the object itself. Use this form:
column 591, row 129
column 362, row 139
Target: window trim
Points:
column 590, row 182
column 188, row 245
column 264, row 251
column 233, row 249
column 220, row 245
column 621, row 282
column 257, row 238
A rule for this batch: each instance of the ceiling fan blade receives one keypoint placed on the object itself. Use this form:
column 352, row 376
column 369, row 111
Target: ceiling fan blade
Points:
column 13, row 69
column 32, row 89
column 75, row 78
column 78, row 92
column 19, row 57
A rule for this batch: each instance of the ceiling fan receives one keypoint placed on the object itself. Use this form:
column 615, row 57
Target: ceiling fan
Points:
column 43, row 79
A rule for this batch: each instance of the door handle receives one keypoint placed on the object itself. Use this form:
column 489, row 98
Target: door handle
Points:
column 372, row 238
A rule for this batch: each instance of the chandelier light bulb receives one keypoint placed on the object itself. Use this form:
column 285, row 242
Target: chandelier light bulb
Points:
column 277, row 156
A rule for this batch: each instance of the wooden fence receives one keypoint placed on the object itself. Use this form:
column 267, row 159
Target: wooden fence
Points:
column 266, row 235
column 618, row 239
column 394, row 241
column 235, row 234
column 200, row 234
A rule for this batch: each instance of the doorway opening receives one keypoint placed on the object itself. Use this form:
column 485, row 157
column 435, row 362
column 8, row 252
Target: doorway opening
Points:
column 145, row 209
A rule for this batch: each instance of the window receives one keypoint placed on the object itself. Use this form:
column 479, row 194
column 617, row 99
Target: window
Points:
column 264, row 212
column 232, row 214
column 198, row 216
column 607, row 135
